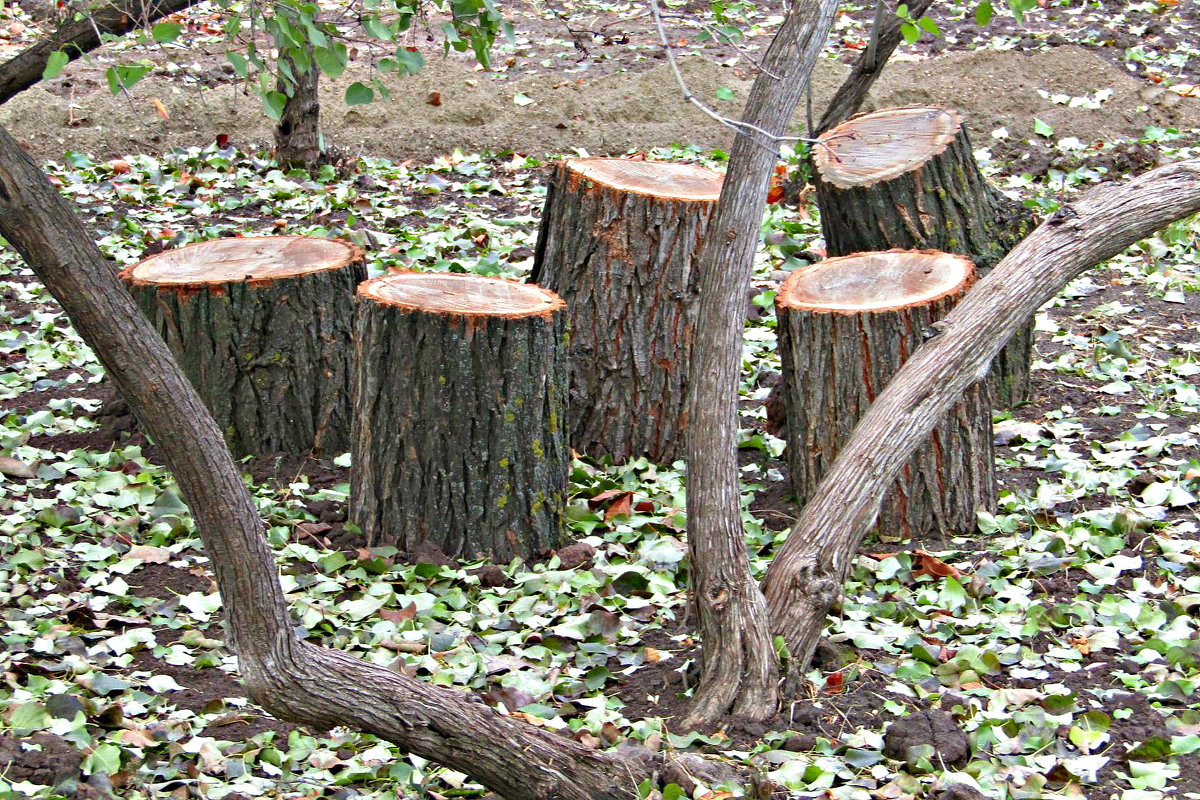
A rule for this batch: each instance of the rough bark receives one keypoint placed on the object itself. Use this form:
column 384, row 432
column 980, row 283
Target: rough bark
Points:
column 460, row 434
column 298, row 132
column 292, row 679
column 79, row 36
column 617, row 242
column 885, row 38
column 846, row 327
column 807, row 574
column 906, row 178
column 739, row 670
column 263, row 328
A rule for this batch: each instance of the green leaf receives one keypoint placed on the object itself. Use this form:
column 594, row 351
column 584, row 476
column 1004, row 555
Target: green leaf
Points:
column 104, row 760
column 1153, row 749
column 910, row 32
column 331, row 61
column 54, row 64
column 359, row 94
column 165, row 32
column 273, row 103
column 724, row 93
column 126, row 75
column 929, row 26
column 240, row 64
column 411, row 61
column 1041, row 128
column 983, row 13
column 29, row 717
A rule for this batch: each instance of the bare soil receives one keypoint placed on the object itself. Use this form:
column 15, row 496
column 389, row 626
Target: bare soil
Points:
column 635, row 108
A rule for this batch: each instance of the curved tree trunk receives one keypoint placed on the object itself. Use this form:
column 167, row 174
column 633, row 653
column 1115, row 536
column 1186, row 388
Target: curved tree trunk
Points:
column 905, row 178
column 846, row 327
column 263, row 328
column 460, row 434
column 808, row 572
column 298, row 132
column 292, row 679
column 739, row 669
column 617, row 242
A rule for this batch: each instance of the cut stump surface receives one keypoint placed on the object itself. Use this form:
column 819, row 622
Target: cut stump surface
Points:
column 263, row 328
column 846, row 326
column 617, row 242
column 460, row 424
column 906, row 178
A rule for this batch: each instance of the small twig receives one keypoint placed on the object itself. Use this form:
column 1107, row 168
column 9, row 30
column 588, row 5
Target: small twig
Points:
column 742, row 128
column 742, row 52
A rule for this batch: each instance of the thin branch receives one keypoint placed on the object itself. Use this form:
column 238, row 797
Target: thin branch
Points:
column 752, row 132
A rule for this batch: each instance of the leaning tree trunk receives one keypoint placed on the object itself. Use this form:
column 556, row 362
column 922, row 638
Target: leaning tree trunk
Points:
column 906, row 178
column 298, row 132
column 739, row 669
column 885, row 37
column 846, row 327
column 290, row 678
column 460, row 416
column 618, row 240
column 807, row 574
column 262, row 327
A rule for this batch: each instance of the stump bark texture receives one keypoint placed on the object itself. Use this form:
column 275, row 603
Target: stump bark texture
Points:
column 846, row 326
column 263, row 328
column 906, row 178
column 618, row 242
column 460, row 434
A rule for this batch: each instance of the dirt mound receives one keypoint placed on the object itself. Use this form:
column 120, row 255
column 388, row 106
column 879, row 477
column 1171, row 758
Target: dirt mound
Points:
column 538, row 113
column 996, row 89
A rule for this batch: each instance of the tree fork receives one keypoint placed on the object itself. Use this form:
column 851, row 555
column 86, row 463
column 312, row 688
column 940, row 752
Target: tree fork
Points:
column 740, row 671
column 292, row 679
column 846, row 327
column 617, row 242
column 817, row 553
column 460, row 416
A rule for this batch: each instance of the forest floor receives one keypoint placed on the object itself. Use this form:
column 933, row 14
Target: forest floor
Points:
column 1061, row 634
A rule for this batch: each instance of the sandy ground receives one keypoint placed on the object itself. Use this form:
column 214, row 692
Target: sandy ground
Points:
column 637, row 108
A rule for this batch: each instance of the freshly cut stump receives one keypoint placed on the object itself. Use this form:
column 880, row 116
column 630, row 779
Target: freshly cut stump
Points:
column 906, row 178
column 263, row 328
column 617, row 242
column 460, row 437
column 846, row 326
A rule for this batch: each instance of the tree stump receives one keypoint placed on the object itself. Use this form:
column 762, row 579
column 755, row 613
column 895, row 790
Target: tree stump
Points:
column 906, row 178
column 846, row 326
column 263, row 328
column 460, row 436
column 617, row 242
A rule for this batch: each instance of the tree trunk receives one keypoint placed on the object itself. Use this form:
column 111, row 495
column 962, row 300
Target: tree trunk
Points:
column 292, row 679
column 298, row 132
column 739, row 669
column 906, row 178
column 617, row 243
column 460, row 416
column 846, row 326
column 807, row 574
column 263, row 328
column 885, row 38
column 77, row 37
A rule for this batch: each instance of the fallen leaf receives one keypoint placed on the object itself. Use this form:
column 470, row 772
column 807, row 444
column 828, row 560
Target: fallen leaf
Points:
column 160, row 109
column 935, row 567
